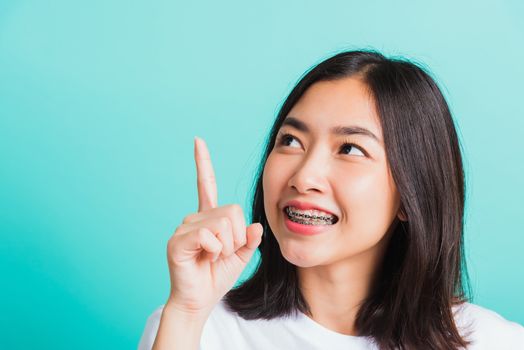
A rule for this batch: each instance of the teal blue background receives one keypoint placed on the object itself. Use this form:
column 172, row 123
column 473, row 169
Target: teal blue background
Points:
column 100, row 101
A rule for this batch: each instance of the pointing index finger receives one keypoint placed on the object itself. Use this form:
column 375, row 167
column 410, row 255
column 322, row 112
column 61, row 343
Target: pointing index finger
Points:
column 206, row 182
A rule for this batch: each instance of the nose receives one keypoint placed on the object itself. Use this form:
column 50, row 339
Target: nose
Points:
column 310, row 174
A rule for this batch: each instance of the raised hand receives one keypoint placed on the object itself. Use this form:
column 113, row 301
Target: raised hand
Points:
column 210, row 249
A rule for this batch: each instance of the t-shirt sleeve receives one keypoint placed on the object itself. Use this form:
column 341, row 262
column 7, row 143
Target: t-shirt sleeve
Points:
column 506, row 334
column 492, row 331
column 150, row 330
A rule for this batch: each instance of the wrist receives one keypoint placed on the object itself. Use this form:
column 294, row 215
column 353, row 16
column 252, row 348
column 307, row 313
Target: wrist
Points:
column 193, row 316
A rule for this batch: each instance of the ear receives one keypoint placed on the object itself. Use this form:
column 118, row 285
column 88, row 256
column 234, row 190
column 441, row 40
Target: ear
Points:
column 402, row 214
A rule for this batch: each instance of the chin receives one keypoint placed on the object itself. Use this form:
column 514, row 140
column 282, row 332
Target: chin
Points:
column 300, row 257
column 304, row 265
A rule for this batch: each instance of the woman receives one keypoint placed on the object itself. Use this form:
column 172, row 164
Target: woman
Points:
column 358, row 212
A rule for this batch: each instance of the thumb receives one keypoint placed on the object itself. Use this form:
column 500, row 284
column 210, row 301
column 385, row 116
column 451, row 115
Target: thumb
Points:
column 253, row 239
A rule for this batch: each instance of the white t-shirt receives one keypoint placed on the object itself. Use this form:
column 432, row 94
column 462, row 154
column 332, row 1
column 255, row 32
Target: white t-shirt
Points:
column 225, row 330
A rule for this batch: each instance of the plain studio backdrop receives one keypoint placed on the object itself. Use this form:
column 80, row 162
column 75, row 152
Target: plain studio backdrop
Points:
column 100, row 101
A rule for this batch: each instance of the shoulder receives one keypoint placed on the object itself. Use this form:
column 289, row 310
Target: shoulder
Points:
column 487, row 329
column 220, row 321
column 224, row 329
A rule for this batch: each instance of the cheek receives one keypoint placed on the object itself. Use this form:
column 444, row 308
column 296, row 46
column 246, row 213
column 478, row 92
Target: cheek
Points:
column 272, row 182
column 370, row 200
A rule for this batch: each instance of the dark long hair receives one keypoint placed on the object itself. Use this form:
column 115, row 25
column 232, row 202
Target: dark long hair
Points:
column 423, row 274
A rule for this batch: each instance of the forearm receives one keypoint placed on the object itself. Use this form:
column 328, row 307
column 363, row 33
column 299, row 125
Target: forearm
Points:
column 179, row 330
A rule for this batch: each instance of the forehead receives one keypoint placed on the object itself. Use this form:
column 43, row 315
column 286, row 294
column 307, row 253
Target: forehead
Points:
column 342, row 102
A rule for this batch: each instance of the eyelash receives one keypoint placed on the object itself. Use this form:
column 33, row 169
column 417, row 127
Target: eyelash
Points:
column 284, row 137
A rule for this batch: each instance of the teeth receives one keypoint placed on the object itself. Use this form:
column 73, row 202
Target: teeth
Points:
column 309, row 213
column 310, row 217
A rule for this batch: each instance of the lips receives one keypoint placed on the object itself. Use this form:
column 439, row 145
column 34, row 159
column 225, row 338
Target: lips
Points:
column 307, row 206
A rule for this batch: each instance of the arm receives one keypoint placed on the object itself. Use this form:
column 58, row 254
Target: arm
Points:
column 179, row 330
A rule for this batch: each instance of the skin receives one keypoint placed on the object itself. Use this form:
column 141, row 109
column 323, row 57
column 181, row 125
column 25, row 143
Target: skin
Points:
column 335, row 267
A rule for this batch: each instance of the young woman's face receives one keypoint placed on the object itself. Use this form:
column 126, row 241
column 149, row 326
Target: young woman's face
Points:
column 314, row 164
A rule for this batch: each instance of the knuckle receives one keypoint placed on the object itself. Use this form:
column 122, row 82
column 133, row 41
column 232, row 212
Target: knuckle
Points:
column 236, row 209
column 202, row 232
column 188, row 218
column 226, row 231
column 225, row 222
column 178, row 230
column 238, row 215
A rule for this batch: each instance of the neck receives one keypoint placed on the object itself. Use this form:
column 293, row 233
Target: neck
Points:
column 335, row 292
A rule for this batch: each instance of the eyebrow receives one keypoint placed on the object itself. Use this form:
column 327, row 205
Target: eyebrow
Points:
column 336, row 130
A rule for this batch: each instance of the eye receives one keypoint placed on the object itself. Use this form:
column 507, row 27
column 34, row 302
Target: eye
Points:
column 346, row 148
column 351, row 146
column 286, row 139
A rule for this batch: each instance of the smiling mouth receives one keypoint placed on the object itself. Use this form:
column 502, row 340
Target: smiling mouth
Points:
column 313, row 220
